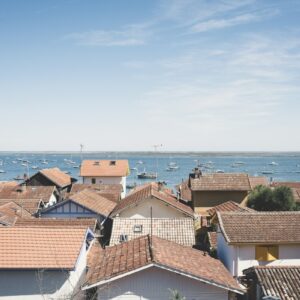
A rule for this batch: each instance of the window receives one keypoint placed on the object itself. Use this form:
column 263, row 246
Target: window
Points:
column 123, row 238
column 93, row 180
column 137, row 228
column 266, row 253
column 112, row 163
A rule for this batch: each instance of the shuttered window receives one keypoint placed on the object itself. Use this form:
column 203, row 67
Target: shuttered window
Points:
column 266, row 253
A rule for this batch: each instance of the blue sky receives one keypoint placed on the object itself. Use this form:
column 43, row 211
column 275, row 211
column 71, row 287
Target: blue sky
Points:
column 124, row 75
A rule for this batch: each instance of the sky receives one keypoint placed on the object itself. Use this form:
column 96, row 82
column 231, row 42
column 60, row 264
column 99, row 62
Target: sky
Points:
column 124, row 75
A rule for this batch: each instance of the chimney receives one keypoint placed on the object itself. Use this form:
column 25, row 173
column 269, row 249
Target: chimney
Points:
column 159, row 186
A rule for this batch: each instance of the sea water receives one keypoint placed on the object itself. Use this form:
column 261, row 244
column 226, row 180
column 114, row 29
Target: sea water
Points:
column 281, row 166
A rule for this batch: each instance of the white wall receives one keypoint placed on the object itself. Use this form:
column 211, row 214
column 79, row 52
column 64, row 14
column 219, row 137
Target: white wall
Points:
column 159, row 210
column 237, row 258
column 107, row 180
column 44, row 285
column 155, row 283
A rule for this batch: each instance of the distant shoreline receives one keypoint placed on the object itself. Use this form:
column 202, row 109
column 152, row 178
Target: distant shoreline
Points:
column 189, row 153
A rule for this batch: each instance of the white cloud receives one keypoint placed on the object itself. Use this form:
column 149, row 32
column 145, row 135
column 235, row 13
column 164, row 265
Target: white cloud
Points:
column 131, row 35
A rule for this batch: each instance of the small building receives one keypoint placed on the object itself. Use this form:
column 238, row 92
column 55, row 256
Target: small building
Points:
column 43, row 262
column 149, row 267
column 10, row 212
column 209, row 190
column 179, row 230
column 105, row 172
column 84, row 204
column 51, row 177
column 273, row 282
column 152, row 200
column 258, row 239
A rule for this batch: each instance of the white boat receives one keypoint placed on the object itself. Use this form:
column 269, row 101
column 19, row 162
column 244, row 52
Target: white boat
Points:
column 220, row 171
column 273, row 163
column 24, row 164
column 267, row 172
column 133, row 169
column 172, row 166
column 34, row 167
column 14, row 162
column 2, row 171
column 44, row 162
column 140, row 162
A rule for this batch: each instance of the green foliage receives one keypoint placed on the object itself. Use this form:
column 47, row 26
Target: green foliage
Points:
column 175, row 295
column 263, row 198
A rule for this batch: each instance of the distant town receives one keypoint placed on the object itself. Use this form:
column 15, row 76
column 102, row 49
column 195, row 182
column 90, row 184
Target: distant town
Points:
column 215, row 235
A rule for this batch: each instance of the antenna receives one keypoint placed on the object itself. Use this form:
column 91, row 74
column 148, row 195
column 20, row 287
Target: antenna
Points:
column 81, row 150
column 155, row 150
column 151, row 227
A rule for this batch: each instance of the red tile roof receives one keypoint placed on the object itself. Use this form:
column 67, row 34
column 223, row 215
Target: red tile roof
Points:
column 40, row 247
column 221, row 182
column 185, row 190
column 258, row 180
column 130, row 256
column 228, row 206
column 212, row 239
column 30, row 205
column 62, row 222
column 277, row 281
column 94, row 201
column 147, row 192
column 104, row 168
column 260, row 227
column 43, row 193
column 9, row 213
column 58, row 177
column 109, row 191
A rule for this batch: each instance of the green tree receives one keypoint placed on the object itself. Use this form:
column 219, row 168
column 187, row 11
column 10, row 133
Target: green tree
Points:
column 175, row 295
column 263, row 198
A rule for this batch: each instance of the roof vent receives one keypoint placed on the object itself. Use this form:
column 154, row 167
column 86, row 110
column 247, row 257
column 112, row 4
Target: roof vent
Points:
column 137, row 228
column 112, row 163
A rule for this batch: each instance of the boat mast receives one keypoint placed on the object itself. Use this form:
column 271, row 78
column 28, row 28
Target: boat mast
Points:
column 155, row 151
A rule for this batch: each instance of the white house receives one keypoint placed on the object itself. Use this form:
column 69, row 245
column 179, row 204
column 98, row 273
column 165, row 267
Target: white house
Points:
column 149, row 267
column 43, row 262
column 258, row 239
column 84, row 204
column 152, row 200
column 105, row 172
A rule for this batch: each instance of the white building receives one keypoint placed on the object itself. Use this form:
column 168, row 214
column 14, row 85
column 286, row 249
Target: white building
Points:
column 42, row 262
column 258, row 239
column 105, row 172
column 150, row 268
column 153, row 199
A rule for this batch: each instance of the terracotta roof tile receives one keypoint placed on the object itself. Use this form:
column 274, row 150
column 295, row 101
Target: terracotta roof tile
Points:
column 58, row 177
column 148, row 191
column 179, row 230
column 258, row 180
column 62, row 222
column 10, row 211
column 104, row 168
column 228, row 206
column 125, row 257
column 260, row 227
column 94, row 201
column 212, row 239
column 43, row 193
column 277, row 281
column 30, row 205
column 221, row 182
column 40, row 247
column 185, row 190
column 109, row 191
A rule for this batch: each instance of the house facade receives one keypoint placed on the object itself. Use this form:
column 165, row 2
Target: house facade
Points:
column 258, row 239
column 42, row 263
column 105, row 172
column 153, row 267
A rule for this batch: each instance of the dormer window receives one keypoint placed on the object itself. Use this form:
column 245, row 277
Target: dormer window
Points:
column 123, row 238
column 137, row 228
column 112, row 163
